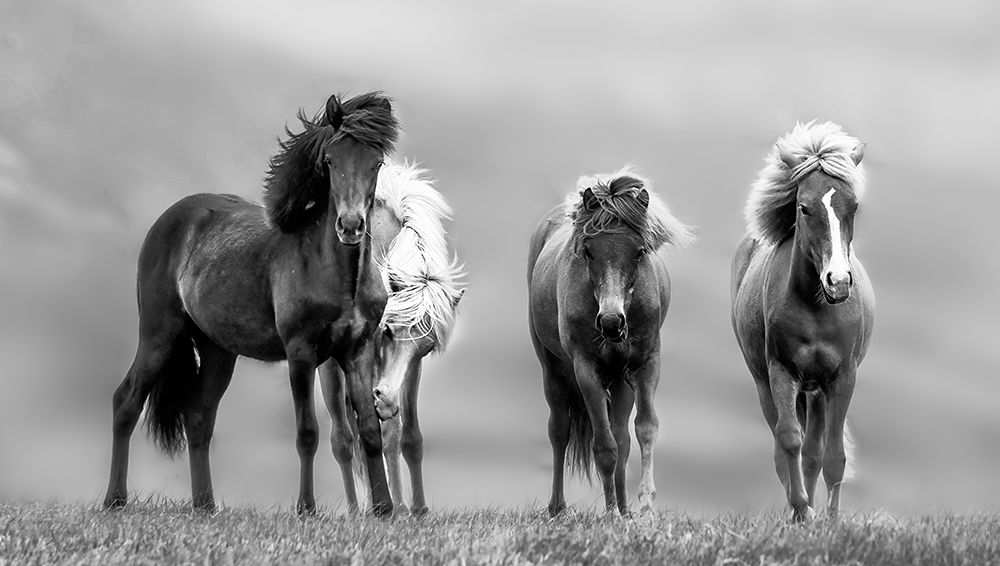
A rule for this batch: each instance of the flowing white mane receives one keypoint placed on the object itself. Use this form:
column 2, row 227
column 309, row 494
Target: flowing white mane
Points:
column 422, row 277
column 616, row 192
column 770, row 208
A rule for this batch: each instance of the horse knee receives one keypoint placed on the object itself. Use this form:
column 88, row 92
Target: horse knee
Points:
column 307, row 438
column 412, row 445
column 834, row 464
column 558, row 430
column 646, row 430
column 343, row 447
column 789, row 437
column 606, row 457
column 371, row 439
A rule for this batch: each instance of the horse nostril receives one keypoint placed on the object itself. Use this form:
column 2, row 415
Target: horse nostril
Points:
column 377, row 392
column 850, row 278
column 829, row 278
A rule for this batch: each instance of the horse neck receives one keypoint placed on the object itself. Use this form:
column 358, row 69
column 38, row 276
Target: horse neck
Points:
column 803, row 276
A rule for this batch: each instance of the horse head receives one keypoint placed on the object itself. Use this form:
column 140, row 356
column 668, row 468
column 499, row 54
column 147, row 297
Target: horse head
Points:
column 824, row 225
column 613, row 258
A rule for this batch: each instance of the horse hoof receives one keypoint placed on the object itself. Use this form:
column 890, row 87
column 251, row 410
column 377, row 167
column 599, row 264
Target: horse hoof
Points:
column 383, row 510
column 556, row 509
column 114, row 502
column 306, row 508
column 803, row 515
column 418, row 511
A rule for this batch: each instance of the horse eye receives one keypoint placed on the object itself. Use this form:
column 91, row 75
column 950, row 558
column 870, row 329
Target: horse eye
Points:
column 804, row 210
column 586, row 254
column 388, row 333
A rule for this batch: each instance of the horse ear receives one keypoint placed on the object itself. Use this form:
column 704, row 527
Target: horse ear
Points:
column 858, row 153
column 643, row 198
column 454, row 302
column 384, row 103
column 788, row 158
column 334, row 112
column 589, row 199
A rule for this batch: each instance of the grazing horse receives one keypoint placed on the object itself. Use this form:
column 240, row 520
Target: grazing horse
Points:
column 220, row 277
column 598, row 295
column 424, row 290
column 802, row 304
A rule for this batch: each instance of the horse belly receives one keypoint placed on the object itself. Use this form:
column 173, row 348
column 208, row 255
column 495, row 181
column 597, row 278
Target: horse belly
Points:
column 235, row 314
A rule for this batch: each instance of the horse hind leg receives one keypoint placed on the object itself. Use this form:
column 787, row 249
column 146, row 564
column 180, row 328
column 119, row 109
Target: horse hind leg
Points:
column 158, row 355
column 814, row 444
column 214, row 375
column 342, row 435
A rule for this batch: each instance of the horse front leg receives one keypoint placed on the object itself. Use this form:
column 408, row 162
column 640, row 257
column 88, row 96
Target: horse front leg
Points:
column 788, row 437
column 342, row 438
column 302, row 373
column 412, row 440
column 647, row 426
column 391, row 432
column 359, row 374
column 605, row 448
column 836, row 455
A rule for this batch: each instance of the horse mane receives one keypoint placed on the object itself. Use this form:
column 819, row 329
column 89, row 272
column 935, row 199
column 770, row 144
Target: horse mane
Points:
column 619, row 209
column 417, row 264
column 296, row 189
column 770, row 208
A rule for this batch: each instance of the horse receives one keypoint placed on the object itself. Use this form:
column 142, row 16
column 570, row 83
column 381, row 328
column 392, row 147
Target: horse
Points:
column 424, row 287
column 803, row 305
column 599, row 291
column 220, row 277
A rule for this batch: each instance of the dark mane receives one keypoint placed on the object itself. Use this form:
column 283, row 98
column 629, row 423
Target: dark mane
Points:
column 296, row 188
column 621, row 201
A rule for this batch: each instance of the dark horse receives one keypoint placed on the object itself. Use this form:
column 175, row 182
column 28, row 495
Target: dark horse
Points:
column 803, row 306
column 220, row 277
column 598, row 295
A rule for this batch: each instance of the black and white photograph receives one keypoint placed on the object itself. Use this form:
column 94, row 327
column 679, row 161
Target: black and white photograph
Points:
column 317, row 282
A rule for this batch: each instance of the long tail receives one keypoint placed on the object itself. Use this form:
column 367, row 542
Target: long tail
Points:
column 849, row 451
column 170, row 395
column 581, row 437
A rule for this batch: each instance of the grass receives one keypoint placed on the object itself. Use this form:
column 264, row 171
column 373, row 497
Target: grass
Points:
column 158, row 532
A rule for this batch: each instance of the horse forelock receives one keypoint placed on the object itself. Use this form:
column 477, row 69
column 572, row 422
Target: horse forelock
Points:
column 619, row 209
column 770, row 209
column 294, row 186
column 428, row 281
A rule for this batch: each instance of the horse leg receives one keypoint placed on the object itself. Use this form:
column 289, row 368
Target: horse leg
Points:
column 151, row 361
column 359, row 375
column 622, row 401
column 302, row 373
column 214, row 376
column 391, row 431
column 557, row 397
column 605, row 448
column 342, row 438
column 412, row 441
column 814, row 445
column 767, row 407
column 835, row 458
column 788, row 436
column 647, row 426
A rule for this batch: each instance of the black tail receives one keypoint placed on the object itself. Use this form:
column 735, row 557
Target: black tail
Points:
column 579, row 453
column 170, row 395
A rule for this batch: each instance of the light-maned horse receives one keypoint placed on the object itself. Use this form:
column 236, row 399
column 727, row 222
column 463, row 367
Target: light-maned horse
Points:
column 598, row 296
column 424, row 284
column 803, row 306
column 220, row 277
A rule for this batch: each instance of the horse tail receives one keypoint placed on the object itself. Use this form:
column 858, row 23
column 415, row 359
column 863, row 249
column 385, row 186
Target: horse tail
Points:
column 170, row 396
column 849, row 452
column 579, row 451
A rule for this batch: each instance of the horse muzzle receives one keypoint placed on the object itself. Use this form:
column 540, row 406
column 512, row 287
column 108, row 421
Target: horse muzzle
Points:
column 612, row 326
column 350, row 229
column 837, row 286
column 385, row 407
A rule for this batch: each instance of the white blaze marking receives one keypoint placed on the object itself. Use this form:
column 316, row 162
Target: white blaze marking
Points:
column 839, row 263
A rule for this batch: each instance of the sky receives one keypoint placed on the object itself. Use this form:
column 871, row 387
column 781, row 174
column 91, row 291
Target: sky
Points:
column 110, row 113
